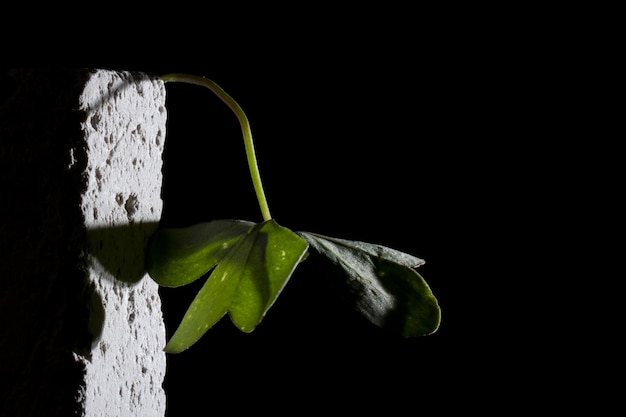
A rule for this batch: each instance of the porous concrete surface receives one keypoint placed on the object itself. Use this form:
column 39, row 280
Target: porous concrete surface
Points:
column 82, row 331
column 125, row 134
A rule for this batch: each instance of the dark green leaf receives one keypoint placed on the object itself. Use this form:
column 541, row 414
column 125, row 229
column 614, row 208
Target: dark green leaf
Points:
column 178, row 256
column 382, row 284
column 371, row 249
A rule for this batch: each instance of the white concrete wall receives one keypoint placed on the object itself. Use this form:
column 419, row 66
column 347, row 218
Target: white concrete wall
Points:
column 125, row 134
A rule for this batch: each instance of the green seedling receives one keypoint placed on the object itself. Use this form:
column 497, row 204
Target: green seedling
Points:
column 248, row 264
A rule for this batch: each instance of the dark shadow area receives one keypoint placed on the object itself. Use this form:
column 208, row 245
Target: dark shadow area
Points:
column 44, row 299
column 121, row 249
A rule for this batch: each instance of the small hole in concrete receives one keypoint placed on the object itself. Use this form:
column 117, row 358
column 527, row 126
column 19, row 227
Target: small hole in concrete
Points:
column 131, row 206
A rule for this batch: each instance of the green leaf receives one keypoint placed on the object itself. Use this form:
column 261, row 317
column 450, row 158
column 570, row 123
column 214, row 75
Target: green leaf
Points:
column 214, row 298
column 273, row 258
column 246, row 282
column 178, row 256
column 382, row 284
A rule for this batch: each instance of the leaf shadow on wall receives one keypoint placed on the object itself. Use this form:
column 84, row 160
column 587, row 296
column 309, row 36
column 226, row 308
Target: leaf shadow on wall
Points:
column 120, row 252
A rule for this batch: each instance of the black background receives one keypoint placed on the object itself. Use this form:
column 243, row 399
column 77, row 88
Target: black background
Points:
column 448, row 134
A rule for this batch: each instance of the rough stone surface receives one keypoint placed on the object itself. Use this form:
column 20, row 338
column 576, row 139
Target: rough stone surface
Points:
column 80, row 180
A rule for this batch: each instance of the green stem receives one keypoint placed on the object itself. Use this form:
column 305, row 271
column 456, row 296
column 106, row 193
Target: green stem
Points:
column 245, row 128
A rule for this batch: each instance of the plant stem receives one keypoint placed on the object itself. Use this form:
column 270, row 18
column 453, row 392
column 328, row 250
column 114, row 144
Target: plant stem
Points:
column 245, row 128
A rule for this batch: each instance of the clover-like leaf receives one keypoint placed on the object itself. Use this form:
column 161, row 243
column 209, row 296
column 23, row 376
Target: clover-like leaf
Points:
column 178, row 256
column 382, row 284
column 250, row 264
column 246, row 282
